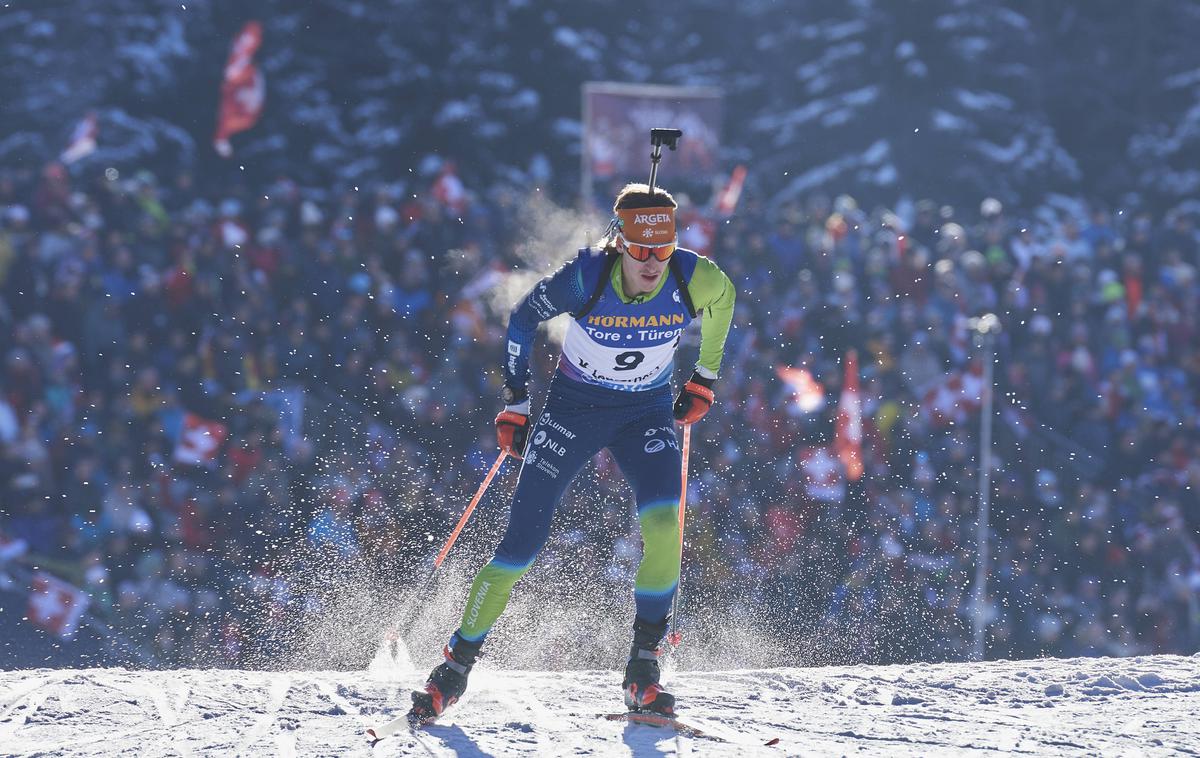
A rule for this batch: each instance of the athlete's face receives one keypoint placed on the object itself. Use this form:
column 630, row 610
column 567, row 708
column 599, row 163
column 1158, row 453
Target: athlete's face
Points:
column 640, row 277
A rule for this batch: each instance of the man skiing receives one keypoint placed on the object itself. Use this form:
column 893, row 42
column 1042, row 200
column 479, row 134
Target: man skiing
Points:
column 630, row 300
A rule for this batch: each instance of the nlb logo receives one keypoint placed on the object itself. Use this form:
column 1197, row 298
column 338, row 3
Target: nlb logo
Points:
column 652, row 218
column 629, row 322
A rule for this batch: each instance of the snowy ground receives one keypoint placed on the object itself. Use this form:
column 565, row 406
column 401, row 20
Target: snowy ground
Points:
column 1136, row 706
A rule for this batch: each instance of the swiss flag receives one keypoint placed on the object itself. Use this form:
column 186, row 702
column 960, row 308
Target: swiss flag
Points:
column 242, row 90
column 199, row 441
column 959, row 394
column 848, row 435
column 55, row 605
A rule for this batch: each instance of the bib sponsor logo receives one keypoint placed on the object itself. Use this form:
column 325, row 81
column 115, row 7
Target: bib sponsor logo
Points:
column 642, row 334
column 631, row 322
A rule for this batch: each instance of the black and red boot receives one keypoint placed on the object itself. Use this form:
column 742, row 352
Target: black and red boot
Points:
column 643, row 693
column 446, row 683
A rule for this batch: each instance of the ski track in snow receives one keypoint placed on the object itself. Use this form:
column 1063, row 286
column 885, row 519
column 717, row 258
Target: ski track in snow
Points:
column 1097, row 706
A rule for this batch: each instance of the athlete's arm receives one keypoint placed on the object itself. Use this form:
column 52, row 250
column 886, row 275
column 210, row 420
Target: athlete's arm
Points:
column 561, row 292
column 713, row 294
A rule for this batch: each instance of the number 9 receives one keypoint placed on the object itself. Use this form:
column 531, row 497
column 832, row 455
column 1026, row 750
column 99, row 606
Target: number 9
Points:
column 629, row 361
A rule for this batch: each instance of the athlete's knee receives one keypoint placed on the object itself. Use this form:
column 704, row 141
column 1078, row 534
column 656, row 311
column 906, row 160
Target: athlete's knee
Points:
column 525, row 537
column 660, row 524
column 519, row 558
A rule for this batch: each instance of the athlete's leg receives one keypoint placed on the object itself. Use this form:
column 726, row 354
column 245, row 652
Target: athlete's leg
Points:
column 560, row 443
column 648, row 454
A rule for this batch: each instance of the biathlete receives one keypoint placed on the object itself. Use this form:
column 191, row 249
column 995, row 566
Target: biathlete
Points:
column 630, row 300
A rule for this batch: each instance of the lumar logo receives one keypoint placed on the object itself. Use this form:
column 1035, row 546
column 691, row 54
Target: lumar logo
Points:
column 628, row 322
column 652, row 218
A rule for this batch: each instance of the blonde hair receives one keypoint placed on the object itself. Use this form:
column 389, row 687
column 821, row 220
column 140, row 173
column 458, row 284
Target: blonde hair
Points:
column 637, row 195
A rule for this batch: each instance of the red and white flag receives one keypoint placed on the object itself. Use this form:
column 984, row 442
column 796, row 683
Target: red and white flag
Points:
column 199, row 441
column 242, row 91
column 728, row 199
column 83, row 139
column 848, row 434
column 55, row 605
column 958, row 394
column 808, row 395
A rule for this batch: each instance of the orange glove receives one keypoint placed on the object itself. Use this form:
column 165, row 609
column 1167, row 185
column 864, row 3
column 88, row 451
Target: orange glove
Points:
column 512, row 429
column 694, row 399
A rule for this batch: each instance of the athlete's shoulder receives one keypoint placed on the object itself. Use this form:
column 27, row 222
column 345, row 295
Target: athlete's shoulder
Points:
column 591, row 257
column 590, row 263
column 591, row 253
column 688, row 260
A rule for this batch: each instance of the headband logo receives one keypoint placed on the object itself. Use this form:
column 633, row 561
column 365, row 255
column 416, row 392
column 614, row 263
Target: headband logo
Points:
column 652, row 218
column 647, row 226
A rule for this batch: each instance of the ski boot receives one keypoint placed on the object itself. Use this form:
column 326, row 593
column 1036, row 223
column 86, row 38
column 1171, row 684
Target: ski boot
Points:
column 446, row 683
column 643, row 693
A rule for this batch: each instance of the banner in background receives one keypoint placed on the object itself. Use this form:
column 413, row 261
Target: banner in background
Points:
column 242, row 90
column 617, row 119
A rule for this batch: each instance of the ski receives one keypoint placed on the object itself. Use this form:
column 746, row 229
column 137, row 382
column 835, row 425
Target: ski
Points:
column 410, row 721
column 659, row 720
column 668, row 722
column 400, row 724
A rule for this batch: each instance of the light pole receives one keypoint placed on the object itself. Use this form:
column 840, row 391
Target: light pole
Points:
column 985, row 329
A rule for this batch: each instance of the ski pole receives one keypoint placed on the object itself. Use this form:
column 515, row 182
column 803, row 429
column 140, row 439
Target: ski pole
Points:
column 674, row 637
column 462, row 521
column 441, row 556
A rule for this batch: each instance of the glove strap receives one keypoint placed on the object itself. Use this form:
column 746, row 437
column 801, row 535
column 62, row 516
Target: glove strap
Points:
column 510, row 417
column 700, row 391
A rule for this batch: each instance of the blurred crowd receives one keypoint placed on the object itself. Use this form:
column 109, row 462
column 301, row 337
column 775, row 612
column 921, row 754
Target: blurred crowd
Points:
column 208, row 398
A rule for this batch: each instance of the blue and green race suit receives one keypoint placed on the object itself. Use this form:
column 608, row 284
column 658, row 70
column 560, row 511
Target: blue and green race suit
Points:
column 611, row 390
